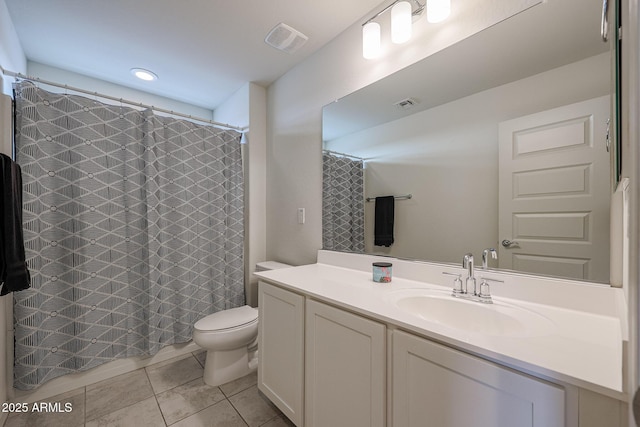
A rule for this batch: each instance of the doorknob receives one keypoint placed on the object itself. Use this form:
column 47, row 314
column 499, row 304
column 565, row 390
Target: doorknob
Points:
column 508, row 243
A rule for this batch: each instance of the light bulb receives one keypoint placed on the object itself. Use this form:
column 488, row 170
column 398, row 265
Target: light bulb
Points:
column 143, row 74
column 438, row 10
column 371, row 40
column 401, row 22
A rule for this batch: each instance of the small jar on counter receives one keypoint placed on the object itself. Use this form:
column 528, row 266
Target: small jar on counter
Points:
column 382, row 272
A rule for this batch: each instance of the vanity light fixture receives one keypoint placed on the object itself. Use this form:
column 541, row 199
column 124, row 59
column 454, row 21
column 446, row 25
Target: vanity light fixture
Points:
column 401, row 22
column 370, row 40
column 143, row 74
column 402, row 14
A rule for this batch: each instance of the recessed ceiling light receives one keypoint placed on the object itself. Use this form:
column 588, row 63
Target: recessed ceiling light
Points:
column 143, row 74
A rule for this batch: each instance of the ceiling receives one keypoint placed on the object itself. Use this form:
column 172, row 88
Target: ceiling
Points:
column 202, row 50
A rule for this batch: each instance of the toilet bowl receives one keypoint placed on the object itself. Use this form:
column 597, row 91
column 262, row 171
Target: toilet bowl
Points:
column 230, row 338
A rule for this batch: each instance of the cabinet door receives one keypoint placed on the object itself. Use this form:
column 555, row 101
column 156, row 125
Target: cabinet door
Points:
column 345, row 369
column 438, row 386
column 281, row 349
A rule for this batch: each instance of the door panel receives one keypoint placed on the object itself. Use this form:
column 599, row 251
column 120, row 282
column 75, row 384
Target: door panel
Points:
column 555, row 192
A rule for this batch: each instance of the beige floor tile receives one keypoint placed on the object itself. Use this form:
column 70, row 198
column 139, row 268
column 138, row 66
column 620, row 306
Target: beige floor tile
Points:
column 253, row 407
column 181, row 400
column 201, row 356
column 141, row 414
column 241, row 384
column 187, row 399
column 221, row 414
column 172, row 373
column 115, row 393
column 69, row 412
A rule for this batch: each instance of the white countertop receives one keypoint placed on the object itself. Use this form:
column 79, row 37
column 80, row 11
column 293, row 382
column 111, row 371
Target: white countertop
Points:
column 581, row 348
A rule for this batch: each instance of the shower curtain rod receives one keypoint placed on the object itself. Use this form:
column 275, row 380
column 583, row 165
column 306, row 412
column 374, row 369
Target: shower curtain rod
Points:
column 121, row 100
column 343, row 154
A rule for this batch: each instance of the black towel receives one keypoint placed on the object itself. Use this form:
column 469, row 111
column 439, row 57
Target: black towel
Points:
column 383, row 232
column 14, row 273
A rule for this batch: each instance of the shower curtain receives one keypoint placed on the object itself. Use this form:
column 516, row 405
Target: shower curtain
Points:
column 342, row 204
column 133, row 227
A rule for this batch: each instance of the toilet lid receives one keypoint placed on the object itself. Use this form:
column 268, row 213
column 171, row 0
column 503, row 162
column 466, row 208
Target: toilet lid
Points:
column 226, row 319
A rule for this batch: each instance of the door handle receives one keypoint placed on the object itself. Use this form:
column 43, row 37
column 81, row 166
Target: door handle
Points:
column 508, row 243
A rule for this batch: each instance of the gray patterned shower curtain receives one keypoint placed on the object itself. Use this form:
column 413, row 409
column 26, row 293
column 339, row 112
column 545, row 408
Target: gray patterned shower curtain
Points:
column 342, row 204
column 133, row 227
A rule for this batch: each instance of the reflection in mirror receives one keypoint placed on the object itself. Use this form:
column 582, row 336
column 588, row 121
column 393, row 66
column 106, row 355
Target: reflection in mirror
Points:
column 500, row 137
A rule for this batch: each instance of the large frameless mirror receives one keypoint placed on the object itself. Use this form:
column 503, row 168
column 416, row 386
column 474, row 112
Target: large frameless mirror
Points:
column 500, row 139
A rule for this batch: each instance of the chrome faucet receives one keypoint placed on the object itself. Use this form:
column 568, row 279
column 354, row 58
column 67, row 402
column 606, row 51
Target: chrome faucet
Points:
column 470, row 282
column 485, row 257
column 463, row 289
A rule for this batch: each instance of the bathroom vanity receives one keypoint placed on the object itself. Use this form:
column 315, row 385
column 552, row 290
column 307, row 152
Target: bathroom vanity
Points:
column 337, row 348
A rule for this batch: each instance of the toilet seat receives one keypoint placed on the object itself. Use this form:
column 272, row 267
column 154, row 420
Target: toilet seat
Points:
column 233, row 318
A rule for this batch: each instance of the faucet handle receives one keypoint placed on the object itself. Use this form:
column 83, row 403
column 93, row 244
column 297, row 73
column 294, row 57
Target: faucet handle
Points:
column 485, row 257
column 457, row 283
column 485, row 292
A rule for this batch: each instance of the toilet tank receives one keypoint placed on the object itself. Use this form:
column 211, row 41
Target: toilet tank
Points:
column 252, row 290
column 270, row 265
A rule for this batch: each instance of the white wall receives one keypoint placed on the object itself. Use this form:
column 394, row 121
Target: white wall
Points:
column 294, row 128
column 455, row 146
column 12, row 56
column 80, row 81
column 631, row 161
column 235, row 109
column 247, row 108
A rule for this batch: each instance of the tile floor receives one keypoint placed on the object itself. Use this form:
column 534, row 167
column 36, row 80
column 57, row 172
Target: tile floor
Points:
column 169, row 393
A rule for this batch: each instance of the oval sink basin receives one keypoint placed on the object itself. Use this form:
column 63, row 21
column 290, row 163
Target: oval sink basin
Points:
column 490, row 319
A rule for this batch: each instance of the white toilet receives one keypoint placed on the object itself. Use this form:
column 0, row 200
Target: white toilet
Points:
column 231, row 339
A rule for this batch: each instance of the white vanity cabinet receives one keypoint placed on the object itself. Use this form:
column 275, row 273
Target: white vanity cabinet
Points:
column 436, row 385
column 337, row 378
column 327, row 366
column 281, row 349
column 345, row 368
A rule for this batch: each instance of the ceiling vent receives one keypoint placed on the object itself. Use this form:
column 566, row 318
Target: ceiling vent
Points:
column 406, row 104
column 285, row 38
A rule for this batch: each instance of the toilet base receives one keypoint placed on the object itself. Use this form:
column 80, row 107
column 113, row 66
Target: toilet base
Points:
column 221, row 367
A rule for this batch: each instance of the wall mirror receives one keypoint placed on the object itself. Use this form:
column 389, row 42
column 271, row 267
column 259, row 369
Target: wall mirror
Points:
column 500, row 139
